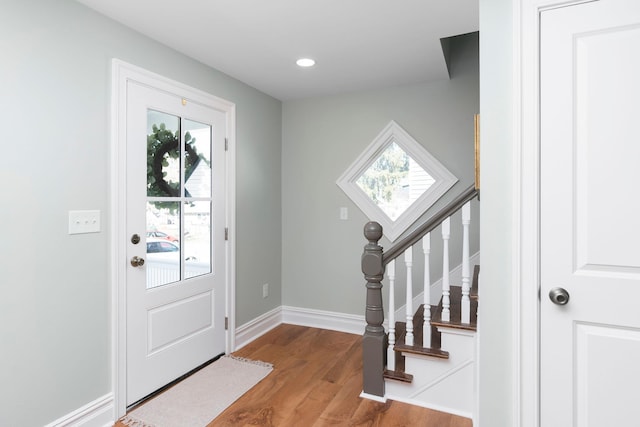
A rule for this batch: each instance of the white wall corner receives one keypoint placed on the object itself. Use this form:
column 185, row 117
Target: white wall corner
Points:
column 257, row 327
column 99, row 413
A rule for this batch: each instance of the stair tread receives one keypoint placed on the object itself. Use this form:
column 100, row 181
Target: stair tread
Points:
column 455, row 310
column 424, row 351
column 398, row 376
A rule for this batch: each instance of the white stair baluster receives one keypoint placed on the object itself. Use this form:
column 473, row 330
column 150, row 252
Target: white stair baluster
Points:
column 391, row 355
column 426, row 325
column 466, row 276
column 408, row 260
column 446, row 286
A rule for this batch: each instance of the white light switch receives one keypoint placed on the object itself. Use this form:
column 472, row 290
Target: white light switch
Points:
column 344, row 213
column 84, row 222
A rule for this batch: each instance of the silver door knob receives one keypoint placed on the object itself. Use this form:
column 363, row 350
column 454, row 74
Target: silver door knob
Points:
column 137, row 261
column 559, row 296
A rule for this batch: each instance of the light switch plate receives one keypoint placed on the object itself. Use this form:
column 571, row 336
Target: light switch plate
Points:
column 344, row 213
column 84, row 222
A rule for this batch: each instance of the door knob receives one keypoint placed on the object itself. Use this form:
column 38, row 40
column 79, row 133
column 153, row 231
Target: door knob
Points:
column 559, row 296
column 137, row 261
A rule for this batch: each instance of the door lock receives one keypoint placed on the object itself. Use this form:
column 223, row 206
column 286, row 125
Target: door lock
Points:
column 559, row 296
column 137, row 261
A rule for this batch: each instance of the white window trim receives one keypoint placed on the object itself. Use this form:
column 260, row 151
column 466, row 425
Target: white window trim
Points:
column 393, row 132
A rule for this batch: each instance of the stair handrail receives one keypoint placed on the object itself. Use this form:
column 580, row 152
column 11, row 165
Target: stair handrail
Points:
column 431, row 224
column 373, row 261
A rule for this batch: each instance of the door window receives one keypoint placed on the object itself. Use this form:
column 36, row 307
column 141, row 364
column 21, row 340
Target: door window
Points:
column 179, row 198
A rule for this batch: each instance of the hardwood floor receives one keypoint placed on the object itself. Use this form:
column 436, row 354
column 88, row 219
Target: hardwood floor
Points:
column 316, row 381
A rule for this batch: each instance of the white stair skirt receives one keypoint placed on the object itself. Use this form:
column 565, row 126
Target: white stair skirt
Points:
column 442, row 384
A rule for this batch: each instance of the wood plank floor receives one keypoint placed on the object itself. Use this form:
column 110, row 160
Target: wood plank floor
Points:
column 316, row 381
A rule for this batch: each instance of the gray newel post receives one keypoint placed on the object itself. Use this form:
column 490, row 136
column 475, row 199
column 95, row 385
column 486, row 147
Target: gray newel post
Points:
column 373, row 342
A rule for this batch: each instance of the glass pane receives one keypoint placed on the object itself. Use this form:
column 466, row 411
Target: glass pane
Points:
column 197, row 146
column 197, row 242
column 394, row 181
column 163, row 154
column 163, row 243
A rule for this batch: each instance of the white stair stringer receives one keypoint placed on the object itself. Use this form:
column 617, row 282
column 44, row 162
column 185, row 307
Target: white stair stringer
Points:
column 446, row 385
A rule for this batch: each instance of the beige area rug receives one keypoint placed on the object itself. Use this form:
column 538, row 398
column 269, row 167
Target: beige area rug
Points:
column 198, row 399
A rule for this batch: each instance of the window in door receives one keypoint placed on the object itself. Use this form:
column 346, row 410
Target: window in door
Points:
column 179, row 198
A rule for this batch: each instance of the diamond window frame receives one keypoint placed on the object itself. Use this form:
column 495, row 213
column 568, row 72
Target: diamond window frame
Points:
column 393, row 132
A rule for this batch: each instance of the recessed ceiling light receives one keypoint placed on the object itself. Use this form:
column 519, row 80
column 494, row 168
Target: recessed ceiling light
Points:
column 305, row 62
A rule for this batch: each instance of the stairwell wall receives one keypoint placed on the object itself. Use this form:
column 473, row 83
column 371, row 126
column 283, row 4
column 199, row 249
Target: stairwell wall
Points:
column 323, row 136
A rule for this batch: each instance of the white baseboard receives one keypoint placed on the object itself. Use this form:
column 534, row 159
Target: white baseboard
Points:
column 341, row 322
column 381, row 399
column 99, row 413
column 257, row 327
column 349, row 323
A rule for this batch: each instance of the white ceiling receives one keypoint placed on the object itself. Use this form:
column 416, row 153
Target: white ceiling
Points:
column 357, row 44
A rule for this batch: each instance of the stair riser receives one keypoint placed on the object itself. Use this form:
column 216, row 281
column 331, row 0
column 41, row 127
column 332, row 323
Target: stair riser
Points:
column 458, row 340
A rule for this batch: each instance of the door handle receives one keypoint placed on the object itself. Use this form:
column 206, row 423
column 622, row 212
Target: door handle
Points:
column 559, row 296
column 137, row 261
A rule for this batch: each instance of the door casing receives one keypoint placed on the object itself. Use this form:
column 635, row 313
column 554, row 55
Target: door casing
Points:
column 123, row 72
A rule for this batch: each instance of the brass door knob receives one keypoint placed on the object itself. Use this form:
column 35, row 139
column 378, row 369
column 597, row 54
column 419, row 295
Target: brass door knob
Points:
column 137, row 261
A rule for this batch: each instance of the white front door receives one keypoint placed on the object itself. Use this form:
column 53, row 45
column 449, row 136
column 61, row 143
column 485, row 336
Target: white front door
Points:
column 590, row 208
column 175, row 227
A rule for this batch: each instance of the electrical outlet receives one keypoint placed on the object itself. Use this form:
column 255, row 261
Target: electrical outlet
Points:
column 265, row 290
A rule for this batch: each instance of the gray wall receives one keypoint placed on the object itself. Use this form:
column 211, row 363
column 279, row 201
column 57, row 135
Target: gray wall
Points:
column 54, row 112
column 496, row 312
column 323, row 136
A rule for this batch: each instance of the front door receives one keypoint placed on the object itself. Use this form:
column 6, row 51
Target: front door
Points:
column 590, row 207
column 175, row 226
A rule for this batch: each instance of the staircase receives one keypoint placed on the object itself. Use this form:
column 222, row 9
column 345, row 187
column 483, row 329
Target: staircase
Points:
column 429, row 359
column 439, row 375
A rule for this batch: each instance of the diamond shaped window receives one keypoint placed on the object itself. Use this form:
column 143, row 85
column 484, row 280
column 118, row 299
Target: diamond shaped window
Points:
column 395, row 180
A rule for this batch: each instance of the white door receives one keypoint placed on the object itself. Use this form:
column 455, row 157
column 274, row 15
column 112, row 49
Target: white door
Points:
column 175, row 280
column 590, row 212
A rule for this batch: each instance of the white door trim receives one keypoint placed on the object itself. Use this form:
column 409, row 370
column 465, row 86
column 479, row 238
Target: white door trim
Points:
column 123, row 72
column 526, row 206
